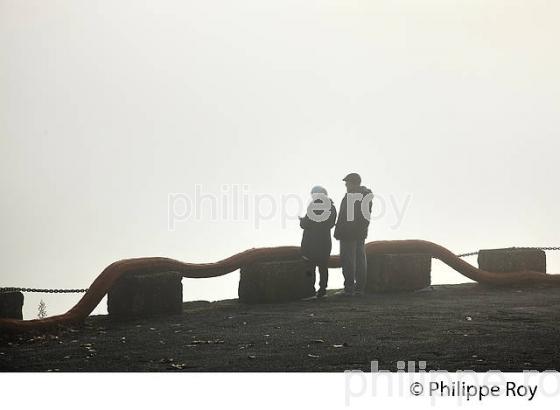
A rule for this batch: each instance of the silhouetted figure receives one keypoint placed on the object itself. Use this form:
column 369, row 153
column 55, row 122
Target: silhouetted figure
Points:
column 351, row 230
column 316, row 243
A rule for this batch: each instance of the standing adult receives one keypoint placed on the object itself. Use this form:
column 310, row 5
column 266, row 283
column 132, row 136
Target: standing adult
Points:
column 352, row 230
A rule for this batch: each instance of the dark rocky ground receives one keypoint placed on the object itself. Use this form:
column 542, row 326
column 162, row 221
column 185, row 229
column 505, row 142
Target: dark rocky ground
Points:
column 452, row 327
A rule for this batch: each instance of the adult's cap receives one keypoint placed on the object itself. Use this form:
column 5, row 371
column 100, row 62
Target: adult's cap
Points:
column 353, row 177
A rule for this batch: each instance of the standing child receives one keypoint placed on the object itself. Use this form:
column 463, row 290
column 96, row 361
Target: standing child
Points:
column 316, row 243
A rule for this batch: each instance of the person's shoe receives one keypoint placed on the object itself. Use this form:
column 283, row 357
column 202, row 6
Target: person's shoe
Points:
column 359, row 293
column 321, row 292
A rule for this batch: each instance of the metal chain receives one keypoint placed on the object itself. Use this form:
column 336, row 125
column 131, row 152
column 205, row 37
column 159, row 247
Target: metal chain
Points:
column 467, row 254
column 542, row 248
column 37, row 290
column 8, row 290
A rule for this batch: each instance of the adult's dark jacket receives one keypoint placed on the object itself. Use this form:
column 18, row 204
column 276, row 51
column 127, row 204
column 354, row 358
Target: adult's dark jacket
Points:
column 356, row 229
column 316, row 243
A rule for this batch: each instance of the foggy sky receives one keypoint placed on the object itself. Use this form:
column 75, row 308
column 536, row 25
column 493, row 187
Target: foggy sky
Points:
column 107, row 107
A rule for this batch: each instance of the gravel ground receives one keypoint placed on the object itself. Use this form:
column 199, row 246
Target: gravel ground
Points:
column 451, row 327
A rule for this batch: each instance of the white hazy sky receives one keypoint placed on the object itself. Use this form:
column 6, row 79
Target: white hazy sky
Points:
column 106, row 107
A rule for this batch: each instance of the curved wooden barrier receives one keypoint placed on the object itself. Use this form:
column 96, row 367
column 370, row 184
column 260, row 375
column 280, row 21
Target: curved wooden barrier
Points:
column 111, row 273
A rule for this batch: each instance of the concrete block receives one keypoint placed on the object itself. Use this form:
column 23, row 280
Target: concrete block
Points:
column 11, row 305
column 141, row 295
column 512, row 260
column 272, row 282
column 398, row 272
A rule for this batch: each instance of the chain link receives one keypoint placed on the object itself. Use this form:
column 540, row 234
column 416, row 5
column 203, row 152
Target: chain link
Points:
column 542, row 248
column 37, row 290
column 462, row 255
